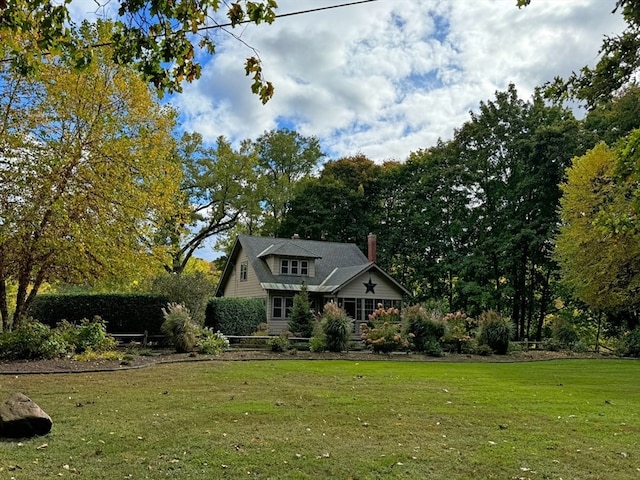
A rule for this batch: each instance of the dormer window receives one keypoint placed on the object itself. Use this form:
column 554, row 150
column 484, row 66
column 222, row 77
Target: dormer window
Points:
column 290, row 266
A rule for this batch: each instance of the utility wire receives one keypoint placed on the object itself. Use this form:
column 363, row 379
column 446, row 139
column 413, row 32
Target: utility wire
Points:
column 224, row 25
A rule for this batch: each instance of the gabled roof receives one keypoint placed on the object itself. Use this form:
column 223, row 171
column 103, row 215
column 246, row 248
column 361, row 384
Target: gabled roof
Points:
column 288, row 248
column 335, row 263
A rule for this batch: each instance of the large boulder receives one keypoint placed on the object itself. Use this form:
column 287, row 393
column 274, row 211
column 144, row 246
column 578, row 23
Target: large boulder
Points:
column 20, row 417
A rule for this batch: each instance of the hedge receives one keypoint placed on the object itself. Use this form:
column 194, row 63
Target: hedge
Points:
column 235, row 316
column 124, row 313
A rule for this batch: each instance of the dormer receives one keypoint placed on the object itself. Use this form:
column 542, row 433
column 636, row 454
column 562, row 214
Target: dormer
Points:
column 289, row 259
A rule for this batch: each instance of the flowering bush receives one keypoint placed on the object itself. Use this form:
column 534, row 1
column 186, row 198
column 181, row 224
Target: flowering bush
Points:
column 212, row 343
column 383, row 332
column 460, row 332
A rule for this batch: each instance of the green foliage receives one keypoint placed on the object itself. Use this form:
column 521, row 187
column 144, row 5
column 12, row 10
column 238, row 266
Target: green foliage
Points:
column 212, row 343
column 424, row 329
column 87, row 335
column 155, row 38
column 218, row 182
column 193, row 290
column 33, row 340
column 235, row 316
column 180, row 328
column 122, row 313
column 564, row 332
column 383, row 332
column 336, row 328
column 495, row 331
column 317, row 343
column 631, row 343
column 301, row 318
column 280, row 343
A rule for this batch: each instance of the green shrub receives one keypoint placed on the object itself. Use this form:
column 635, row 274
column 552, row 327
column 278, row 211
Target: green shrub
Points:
column 317, row 343
column 89, row 335
column 495, row 331
column 193, row 290
column 552, row 345
column 92, row 334
column 564, row 331
column 33, row 340
column 301, row 319
column 336, row 328
column 122, row 313
column 180, row 328
column 631, row 343
column 424, row 328
column 235, row 316
column 212, row 343
column 280, row 343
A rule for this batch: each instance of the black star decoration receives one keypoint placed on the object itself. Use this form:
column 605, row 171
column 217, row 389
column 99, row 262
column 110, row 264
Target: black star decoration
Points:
column 370, row 286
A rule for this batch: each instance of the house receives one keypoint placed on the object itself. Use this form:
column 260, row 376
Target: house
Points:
column 274, row 269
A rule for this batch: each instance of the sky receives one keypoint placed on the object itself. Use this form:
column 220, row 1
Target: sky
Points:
column 389, row 77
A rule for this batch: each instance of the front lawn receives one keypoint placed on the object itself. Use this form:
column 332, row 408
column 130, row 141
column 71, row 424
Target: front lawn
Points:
column 297, row 419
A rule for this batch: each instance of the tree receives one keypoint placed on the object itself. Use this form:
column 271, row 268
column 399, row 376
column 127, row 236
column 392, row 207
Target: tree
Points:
column 301, row 320
column 284, row 158
column 85, row 173
column 600, row 265
column 338, row 206
column 156, row 38
column 218, row 186
column 517, row 151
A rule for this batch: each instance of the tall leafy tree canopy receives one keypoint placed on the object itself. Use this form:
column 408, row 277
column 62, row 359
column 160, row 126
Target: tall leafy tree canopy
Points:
column 601, row 266
column 284, row 159
column 218, row 186
column 86, row 172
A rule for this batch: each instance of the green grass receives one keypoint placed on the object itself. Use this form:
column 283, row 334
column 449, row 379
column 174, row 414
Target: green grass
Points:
column 296, row 419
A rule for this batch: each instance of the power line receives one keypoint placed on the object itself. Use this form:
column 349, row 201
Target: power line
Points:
column 224, row 25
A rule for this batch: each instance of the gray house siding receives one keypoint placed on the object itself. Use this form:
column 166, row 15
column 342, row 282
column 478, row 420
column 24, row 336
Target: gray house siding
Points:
column 332, row 272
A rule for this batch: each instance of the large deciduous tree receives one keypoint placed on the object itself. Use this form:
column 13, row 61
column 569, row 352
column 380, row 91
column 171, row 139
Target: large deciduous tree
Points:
column 284, row 159
column 598, row 255
column 157, row 38
column 86, row 169
column 218, row 188
column 338, row 205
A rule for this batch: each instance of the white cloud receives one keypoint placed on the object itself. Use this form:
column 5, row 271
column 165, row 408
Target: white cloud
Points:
column 389, row 77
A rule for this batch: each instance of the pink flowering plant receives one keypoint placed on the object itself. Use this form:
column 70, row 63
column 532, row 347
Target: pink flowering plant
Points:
column 461, row 330
column 383, row 332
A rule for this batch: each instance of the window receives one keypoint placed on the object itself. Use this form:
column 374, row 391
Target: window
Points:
column 282, row 307
column 244, row 266
column 289, row 266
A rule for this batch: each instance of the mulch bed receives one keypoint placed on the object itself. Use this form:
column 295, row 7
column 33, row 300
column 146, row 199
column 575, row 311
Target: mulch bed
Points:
column 69, row 365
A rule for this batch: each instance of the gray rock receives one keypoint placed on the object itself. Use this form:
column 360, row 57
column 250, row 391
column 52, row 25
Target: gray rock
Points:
column 20, row 417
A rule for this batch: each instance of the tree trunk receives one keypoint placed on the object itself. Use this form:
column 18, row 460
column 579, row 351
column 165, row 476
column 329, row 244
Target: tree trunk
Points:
column 543, row 305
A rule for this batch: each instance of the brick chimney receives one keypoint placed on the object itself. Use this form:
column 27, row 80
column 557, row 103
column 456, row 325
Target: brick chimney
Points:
column 371, row 247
